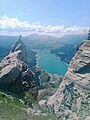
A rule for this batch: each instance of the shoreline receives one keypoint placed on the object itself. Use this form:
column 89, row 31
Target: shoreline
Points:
column 61, row 60
column 37, row 57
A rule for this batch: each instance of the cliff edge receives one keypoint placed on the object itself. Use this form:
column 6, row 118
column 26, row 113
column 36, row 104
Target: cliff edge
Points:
column 15, row 75
column 72, row 99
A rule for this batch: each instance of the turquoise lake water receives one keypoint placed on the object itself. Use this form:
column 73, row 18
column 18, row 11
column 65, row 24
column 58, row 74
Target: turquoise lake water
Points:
column 50, row 63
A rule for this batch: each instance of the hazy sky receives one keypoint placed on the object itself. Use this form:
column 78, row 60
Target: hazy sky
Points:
column 60, row 14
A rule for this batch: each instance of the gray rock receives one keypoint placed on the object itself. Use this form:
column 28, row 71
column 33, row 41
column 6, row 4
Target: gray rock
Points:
column 71, row 101
column 15, row 75
column 20, row 46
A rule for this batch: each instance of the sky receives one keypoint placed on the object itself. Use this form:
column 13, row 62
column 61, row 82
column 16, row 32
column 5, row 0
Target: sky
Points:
column 53, row 17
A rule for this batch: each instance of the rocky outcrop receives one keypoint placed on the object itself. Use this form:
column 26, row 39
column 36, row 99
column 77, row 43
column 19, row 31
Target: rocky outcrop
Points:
column 15, row 75
column 20, row 46
column 72, row 99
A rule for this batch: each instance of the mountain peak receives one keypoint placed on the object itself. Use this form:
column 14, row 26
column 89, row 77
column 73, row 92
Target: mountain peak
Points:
column 15, row 75
column 19, row 39
column 19, row 46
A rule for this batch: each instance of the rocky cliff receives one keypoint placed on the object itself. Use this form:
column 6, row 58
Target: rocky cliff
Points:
column 72, row 99
column 15, row 75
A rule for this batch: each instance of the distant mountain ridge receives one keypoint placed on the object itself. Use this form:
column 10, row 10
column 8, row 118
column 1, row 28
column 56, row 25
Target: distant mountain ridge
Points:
column 73, row 39
column 67, row 39
column 36, row 41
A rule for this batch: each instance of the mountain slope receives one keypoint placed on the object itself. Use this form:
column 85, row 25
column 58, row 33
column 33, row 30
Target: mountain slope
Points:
column 65, row 52
column 73, row 39
column 15, row 75
column 12, row 108
column 72, row 99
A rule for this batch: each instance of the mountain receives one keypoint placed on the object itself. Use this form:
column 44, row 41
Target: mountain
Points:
column 71, row 101
column 70, row 44
column 15, row 75
column 46, row 41
column 36, row 41
column 64, row 47
column 65, row 52
column 18, row 91
column 73, row 39
column 20, row 46
column 67, row 39
column 40, row 37
column 7, row 41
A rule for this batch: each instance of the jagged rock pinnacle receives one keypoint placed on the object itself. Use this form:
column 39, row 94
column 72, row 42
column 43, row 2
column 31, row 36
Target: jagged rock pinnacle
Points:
column 19, row 46
column 15, row 75
column 20, row 37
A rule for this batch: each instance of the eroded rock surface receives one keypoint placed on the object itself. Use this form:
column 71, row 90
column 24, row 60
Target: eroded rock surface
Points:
column 72, row 99
column 15, row 75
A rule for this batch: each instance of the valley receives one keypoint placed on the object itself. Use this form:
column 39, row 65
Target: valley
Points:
column 44, row 59
column 50, row 63
column 30, row 79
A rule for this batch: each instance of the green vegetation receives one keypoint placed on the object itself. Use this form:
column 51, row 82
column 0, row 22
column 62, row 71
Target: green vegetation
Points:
column 3, row 52
column 50, row 81
column 12, row 108
column 65, row 53
column 44, row 78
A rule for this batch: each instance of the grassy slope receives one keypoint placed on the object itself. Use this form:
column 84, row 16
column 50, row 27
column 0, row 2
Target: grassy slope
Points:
column 12, row 108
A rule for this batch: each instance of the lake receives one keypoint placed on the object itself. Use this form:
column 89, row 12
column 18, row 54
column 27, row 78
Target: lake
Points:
column 51, row 63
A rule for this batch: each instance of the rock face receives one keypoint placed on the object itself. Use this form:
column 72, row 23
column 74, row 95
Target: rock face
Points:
column 15, row 75
column 72, row 99
column 20, row 46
